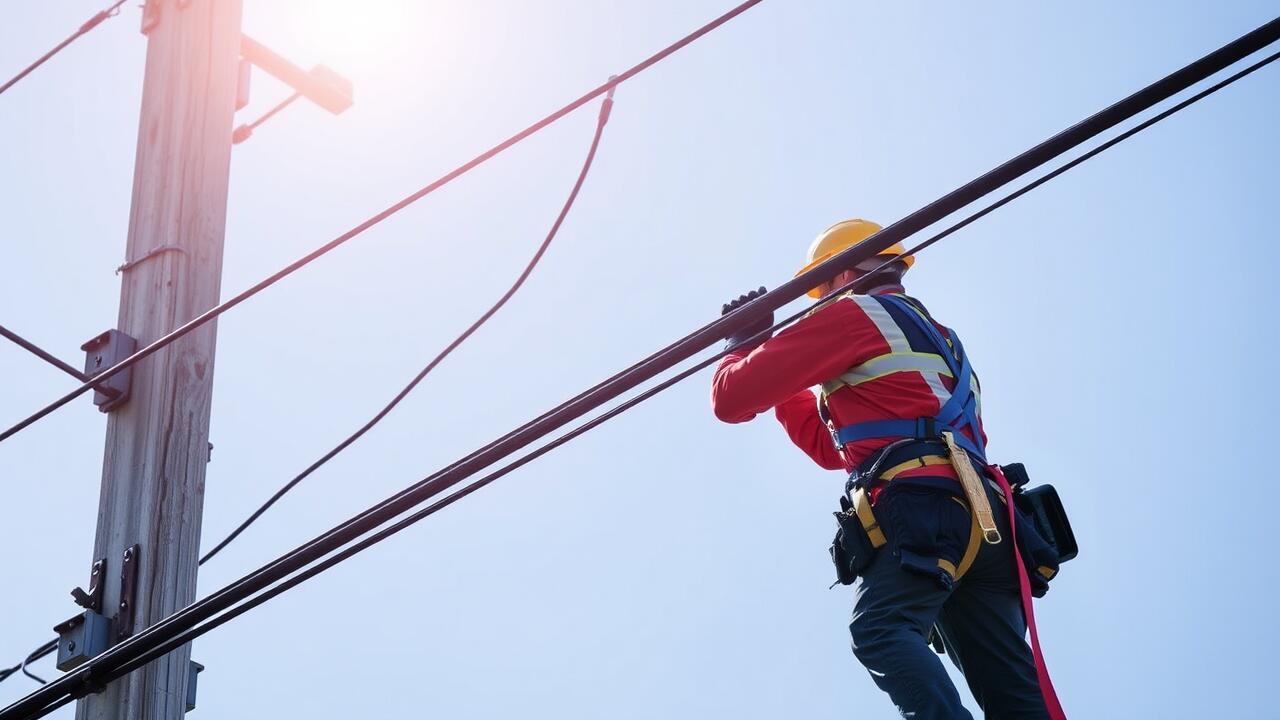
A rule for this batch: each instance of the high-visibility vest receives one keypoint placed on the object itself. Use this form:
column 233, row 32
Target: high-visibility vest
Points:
column 929, row 353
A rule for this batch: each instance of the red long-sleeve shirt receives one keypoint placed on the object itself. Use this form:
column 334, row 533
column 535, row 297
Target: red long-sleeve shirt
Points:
column 845, row 333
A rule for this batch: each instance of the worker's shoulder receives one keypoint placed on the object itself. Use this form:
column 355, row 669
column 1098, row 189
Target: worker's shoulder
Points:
column 878, row 310
column 845, row 310
column 854, row 304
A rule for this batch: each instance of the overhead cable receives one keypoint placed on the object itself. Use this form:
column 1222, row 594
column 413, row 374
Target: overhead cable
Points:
column 452, row 175
column 43, row 354
column 31, row 657
column 605, row 108
column 91, row 23
column 186, row 623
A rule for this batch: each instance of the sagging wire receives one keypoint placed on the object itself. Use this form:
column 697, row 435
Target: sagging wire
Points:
column 605, row 109
column 31, row 657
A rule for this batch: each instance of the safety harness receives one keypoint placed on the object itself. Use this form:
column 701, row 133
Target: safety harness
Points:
column 958, row 412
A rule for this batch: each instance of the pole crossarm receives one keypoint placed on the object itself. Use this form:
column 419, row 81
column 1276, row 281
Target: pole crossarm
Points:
column 320, row 85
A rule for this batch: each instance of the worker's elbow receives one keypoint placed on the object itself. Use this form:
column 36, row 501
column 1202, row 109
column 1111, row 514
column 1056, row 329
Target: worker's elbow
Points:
column 726, row 410
column 724, row 413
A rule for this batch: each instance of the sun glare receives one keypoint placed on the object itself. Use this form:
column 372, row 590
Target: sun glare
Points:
column 355, row 34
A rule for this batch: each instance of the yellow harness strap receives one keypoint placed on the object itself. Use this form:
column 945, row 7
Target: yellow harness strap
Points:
column 862, row 506
column 926, row 461
column 983, row 526
column 970, row 551
column 973, row 490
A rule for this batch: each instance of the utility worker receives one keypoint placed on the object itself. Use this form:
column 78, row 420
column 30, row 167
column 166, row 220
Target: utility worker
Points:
column 921, row 559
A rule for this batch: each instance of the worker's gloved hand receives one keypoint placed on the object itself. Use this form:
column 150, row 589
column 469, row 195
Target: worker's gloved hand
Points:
column 741, row 336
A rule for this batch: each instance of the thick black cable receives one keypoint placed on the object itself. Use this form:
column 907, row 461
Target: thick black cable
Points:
column 174, row 629
column 30, row 674
column 605, row 109
column 221, row 308
column 88, row 25
column 1085, row 156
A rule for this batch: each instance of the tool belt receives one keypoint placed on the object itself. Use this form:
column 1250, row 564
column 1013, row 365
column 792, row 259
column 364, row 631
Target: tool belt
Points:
column 919, row 511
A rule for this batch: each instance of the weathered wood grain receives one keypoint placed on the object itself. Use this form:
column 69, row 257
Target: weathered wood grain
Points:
column 157, row 444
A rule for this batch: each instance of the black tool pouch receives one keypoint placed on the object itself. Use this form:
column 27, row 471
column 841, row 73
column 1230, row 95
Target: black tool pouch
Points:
column 1043, row 508
column 851, row 550
column 1044, row 534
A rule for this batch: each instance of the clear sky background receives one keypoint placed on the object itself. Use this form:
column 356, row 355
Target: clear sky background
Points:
column 665, row 565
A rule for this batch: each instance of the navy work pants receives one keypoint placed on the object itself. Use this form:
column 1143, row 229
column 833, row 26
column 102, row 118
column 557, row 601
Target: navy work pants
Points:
column 980, row 619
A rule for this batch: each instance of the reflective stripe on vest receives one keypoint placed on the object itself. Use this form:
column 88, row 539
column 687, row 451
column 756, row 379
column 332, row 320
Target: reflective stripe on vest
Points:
column 878, row 367
column 910, row 338
column 900, row 358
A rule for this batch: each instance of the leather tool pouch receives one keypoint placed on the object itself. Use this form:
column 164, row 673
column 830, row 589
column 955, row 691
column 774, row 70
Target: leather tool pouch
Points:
column 851, row 550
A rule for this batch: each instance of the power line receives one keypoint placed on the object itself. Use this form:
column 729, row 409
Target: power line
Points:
column 605, row 108
column 43, row 354
column 31, row 657
column 30, row 674
column 88, row 25
column 184, row 625
column 382, row 215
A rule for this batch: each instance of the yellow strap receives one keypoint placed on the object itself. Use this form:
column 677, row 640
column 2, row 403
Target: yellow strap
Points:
column 926, row 461
column 971, row 550
column 862, row 506
column 973, row 490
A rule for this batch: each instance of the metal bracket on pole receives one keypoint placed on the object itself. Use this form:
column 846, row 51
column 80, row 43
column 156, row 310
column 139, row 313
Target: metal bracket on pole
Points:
column 128, row 591
column 193, row 670
column 92, row 600
column 151, row 13
column 320, row 85
column 150, row 16
column 102, row 352
column 84, row 636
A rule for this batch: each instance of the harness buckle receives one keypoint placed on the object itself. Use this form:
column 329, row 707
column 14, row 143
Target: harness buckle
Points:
column 926, row 428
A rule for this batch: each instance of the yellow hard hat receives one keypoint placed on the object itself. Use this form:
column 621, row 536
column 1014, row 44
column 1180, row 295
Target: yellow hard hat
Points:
column 844, row 235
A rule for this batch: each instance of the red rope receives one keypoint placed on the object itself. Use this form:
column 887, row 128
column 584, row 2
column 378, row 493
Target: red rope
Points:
column 1024, row 586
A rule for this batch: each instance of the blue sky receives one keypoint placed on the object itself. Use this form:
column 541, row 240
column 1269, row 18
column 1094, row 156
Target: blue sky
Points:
column 666, row 565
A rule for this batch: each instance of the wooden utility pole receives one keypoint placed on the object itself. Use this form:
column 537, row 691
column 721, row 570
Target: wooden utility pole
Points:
column 158, row 442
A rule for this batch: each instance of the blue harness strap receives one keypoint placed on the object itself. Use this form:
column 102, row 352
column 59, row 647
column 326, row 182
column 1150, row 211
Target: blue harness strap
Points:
column 959, row 411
